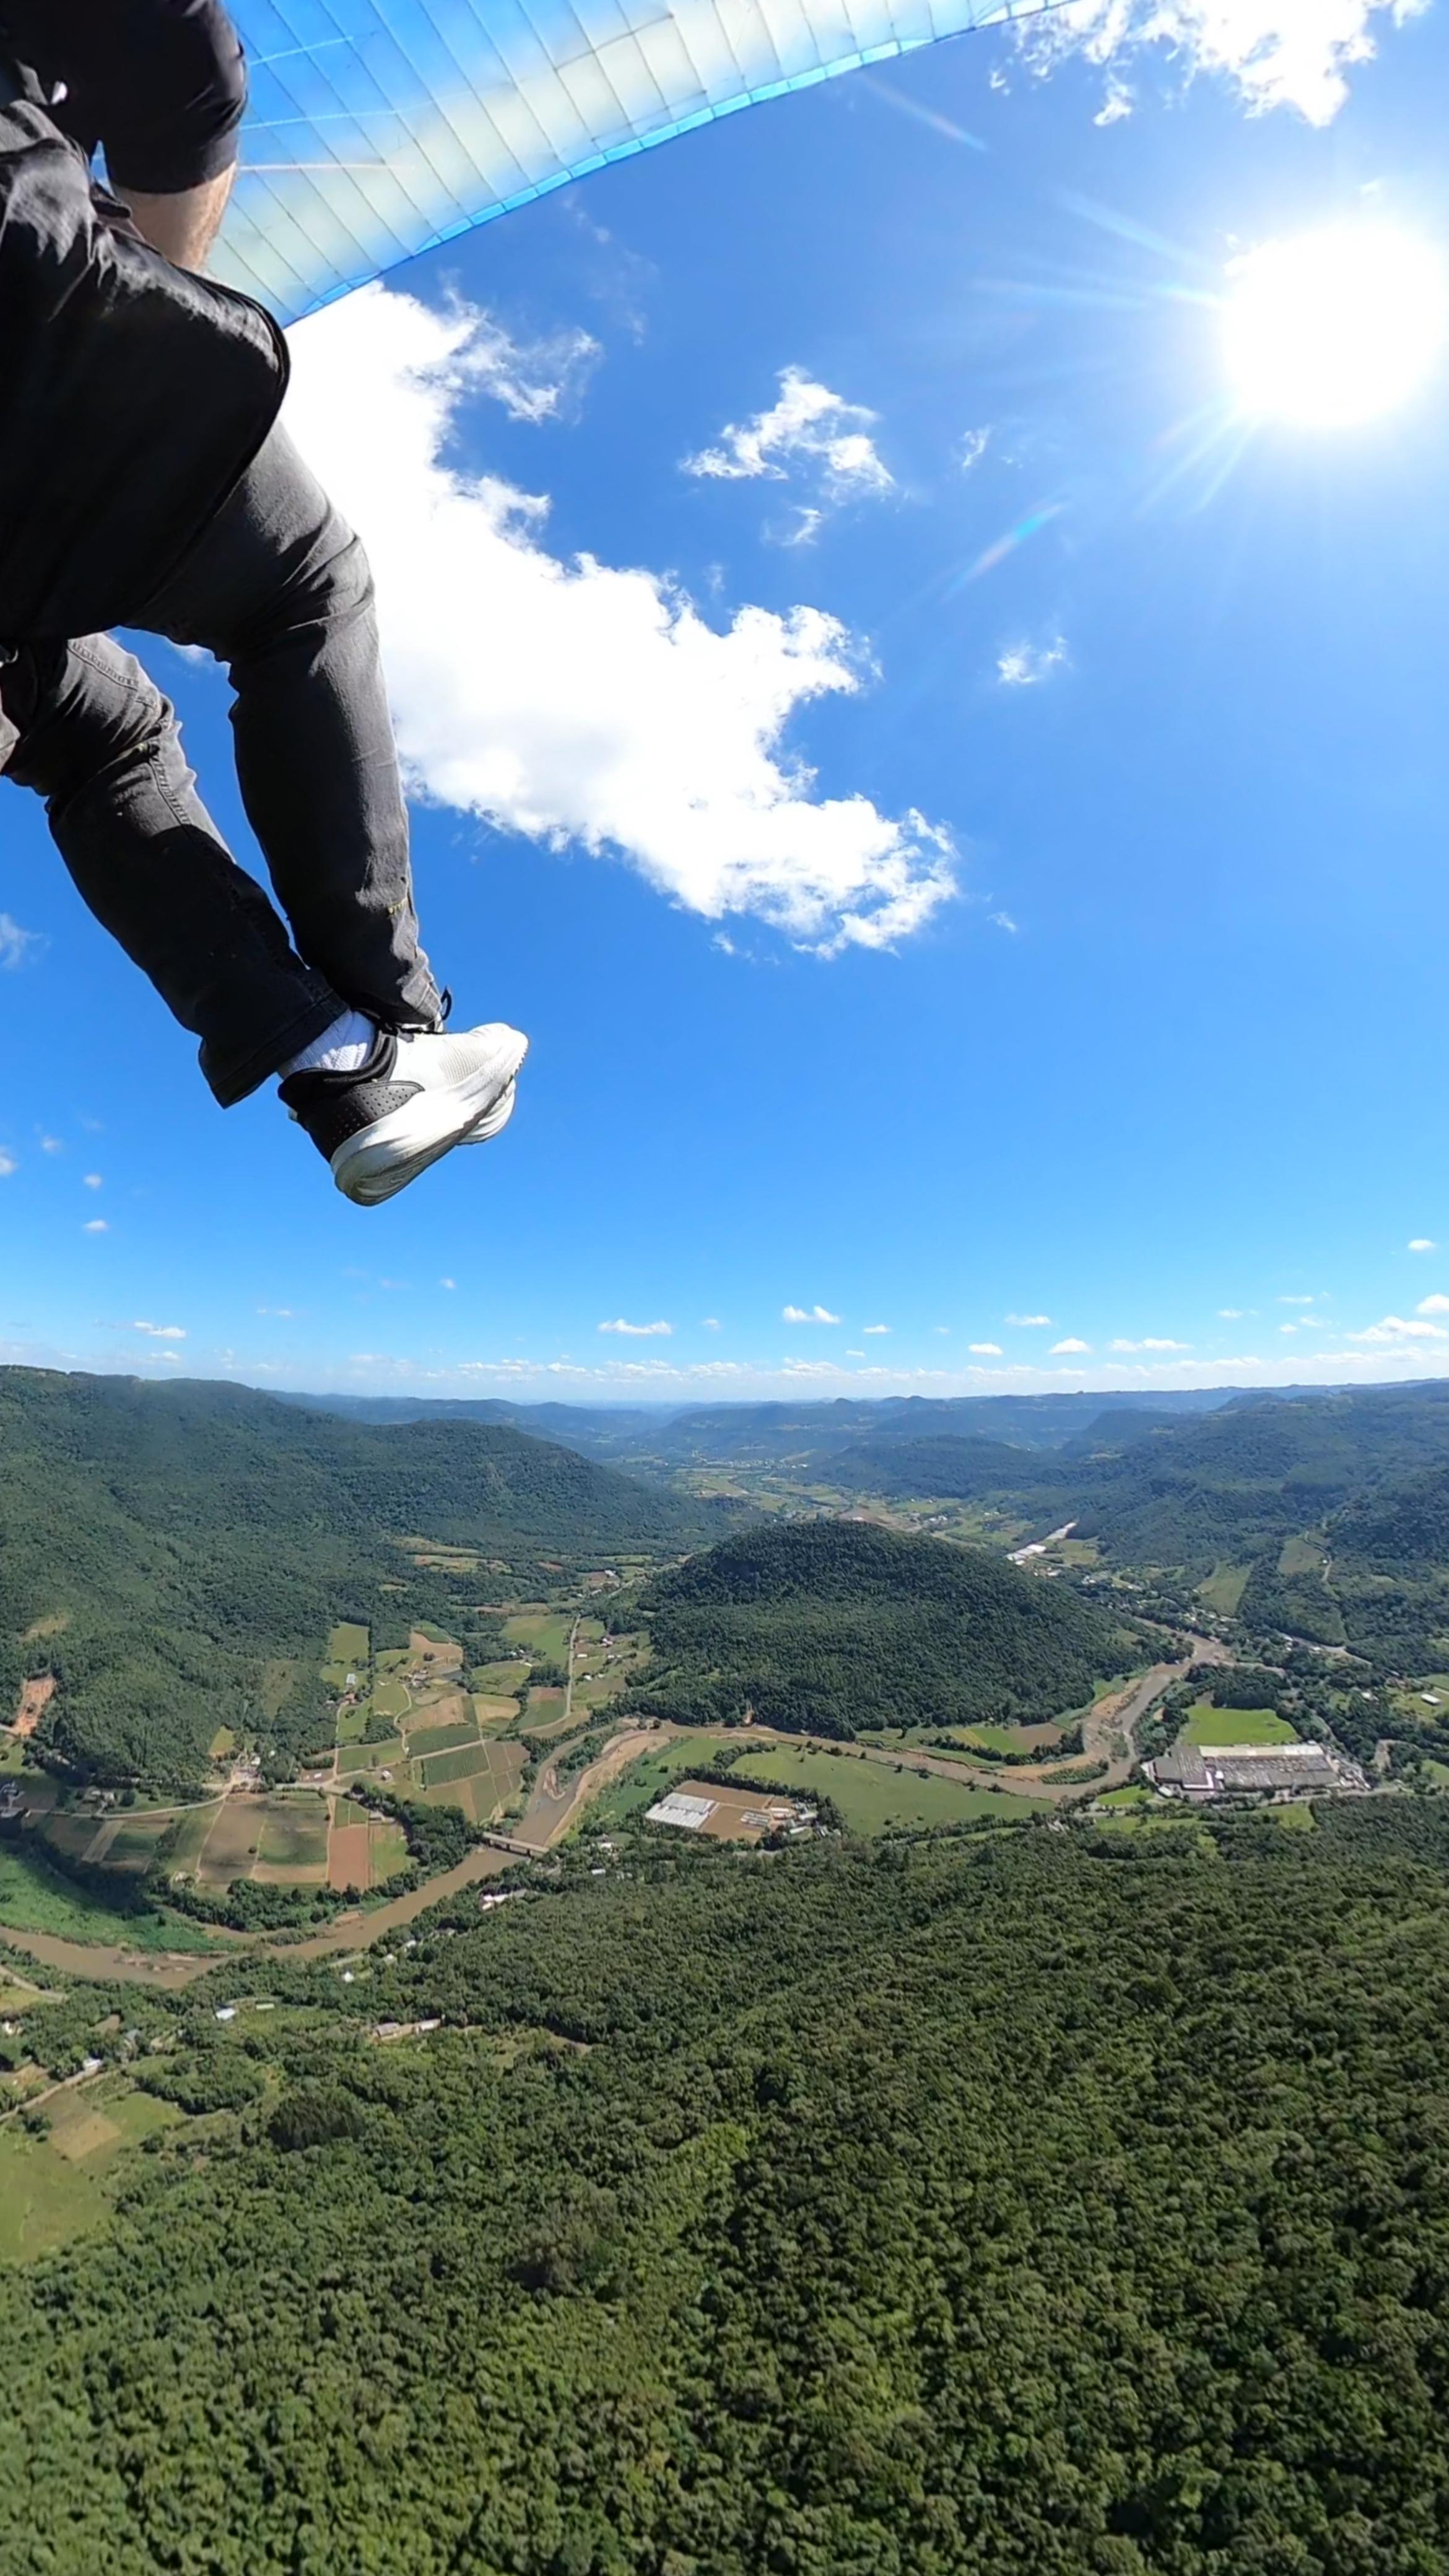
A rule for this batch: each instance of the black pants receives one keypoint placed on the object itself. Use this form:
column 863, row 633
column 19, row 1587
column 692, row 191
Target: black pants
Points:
column 279, row 589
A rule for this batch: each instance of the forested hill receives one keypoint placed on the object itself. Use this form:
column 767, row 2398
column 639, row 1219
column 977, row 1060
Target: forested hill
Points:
column 831, row 1625
column 1020, row 2208
column 159, row 1545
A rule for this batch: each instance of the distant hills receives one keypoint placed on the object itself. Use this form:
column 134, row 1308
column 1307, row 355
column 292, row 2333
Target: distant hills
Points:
column 828, row 1626
column 165, row 1550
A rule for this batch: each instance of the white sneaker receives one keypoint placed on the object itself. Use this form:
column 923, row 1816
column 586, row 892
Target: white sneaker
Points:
column 419, row 1094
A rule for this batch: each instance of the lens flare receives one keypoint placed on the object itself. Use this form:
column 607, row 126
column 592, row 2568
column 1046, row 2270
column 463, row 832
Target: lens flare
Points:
column 1333, row 327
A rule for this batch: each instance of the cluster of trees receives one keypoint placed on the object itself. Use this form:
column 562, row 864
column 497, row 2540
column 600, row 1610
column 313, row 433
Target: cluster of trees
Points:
column 830, row 1626
column 731, row 2223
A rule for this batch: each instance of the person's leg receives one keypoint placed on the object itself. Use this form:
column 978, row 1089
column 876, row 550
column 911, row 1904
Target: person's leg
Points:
column 279, row 589
column 98, row 741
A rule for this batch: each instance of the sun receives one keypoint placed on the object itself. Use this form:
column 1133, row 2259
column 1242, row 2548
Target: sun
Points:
column 1330, row 328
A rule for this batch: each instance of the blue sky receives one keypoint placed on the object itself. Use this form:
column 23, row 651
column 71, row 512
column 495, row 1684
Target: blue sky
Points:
column 962, row 827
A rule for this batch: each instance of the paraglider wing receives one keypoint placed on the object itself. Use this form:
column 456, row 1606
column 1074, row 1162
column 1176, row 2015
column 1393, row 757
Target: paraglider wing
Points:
column 380, row 127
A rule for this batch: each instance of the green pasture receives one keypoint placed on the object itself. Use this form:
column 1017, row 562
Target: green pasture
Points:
column 390, row 1699
column 34, row 1897
column 1208, row 1725
column 388, row 1849
column 873, row 1796
column 424, row 1741
column 1300, row 1556
column 350, row 1644
column 294, row 1836
column 133, row 1845
column 1224, row 1589
column 544, row 1632
column 191, row 1828
column 355, row 1758
column 494, row 1710
column 352, row 1723
column 222, row 1744
column 437, row 1768
column 52, row 2189
column 501, row 1679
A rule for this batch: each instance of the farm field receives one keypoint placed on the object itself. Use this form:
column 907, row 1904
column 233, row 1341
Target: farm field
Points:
column 350, row 1645
column 353, row 1759
column 656, row 1772
column 390, row 1699
column 293, row 1842
column 35, row 1898
column 740, row 1815
column 872, row 1795
column 503, row 1678
column 546, row 1632
column 549, row 1729
column 128, row 1842
column 490, row 1708
column 52, row 2188
column 481, row 1791
column 425, row 1740
column 1224, row 1726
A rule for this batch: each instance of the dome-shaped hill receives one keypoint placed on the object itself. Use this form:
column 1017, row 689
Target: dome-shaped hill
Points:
column 828, row 1626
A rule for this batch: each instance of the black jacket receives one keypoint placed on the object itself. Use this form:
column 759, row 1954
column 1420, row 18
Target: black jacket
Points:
column 133, row 395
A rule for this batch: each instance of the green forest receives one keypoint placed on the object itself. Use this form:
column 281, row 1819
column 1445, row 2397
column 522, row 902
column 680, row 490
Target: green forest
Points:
column 831, row 1626
column 1059, row 2205
column 160, row 1545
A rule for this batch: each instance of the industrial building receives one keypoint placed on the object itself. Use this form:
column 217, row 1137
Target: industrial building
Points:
column 1198, row 1772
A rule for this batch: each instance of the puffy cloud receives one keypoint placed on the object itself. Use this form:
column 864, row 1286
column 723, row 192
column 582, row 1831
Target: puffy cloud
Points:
column 1396, row 1328
column 576, row 703
column 95, row 1225
column 447, row 1283
column 1024, row 666
column 1278, row 53
column 52, row 1145
column 1151, row 1342
column 1028, row 1323
column 985, row 1350
column 636, row 1332
column 1421, row 1243
column 93, row 1181
column 709, row 1324
column 16, row 944
column 8, row 1165
column 161, row 1332
column 1230, row 1314
column 875, row 1328
column 809, row 427
column 1295, row 1301
column 534, row 380
column 807, row 1315
column 1061, row 1349
column 1432, row 1306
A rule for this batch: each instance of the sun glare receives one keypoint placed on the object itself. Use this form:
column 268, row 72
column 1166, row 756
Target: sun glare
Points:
column 1333, row 327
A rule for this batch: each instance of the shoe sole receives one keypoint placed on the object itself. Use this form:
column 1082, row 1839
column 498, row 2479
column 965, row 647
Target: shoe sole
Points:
column 374, row 1166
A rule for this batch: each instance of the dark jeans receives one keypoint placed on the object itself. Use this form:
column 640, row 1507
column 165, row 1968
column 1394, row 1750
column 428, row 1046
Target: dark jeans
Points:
column 279, row 589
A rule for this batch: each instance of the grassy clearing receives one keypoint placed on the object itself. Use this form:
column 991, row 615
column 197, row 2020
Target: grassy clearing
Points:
column 1129, row 1800
column 44, row 2201
column 350, row 1644
column 501, row 1678
column 1224, row 1589
column 440, row 1767
column 426, row 1740
column 390, row 1699
column 133, row 1843
column 1208, row 1725
column 1300, row 1556
column 35, row 1898
column 388, row 1849
column 352, row 1722
column 353, row 1759
column 192, row 1829
column 222, row 1745
column 294, row 1836
column 544, row 1632
column 872, row 1797
column 490, row 1709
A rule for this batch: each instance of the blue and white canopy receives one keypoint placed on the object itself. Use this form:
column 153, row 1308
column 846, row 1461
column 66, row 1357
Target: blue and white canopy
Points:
column 380, row 127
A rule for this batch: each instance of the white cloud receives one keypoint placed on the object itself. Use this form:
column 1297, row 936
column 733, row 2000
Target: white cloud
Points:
column 985, row 1350
column 447, row 1283
column 1024, row 666
column 875, row 1328
column 534, row 380
column 1295, row 1301
column 1058, row 1349
column 973, row 447
column 855, row 1355
column 161, row 1332
column 1028, row 1323
column 95, row 1225
column 1432, row 1306
column 575, row 703
column 636, row 1332
column 16, row 944
column 1394, row 1328
column 93, row 1181
column 51, row 1145
column 8, row 1165
column 1002, row 921
column 709, row 1324
column 1421, row 1243
column 287, row 1311
column 1278, row 53
column 1230, row 1314
column 807, row 1315
column 1287, row 1328
column 808, row 429
column 1151, row 1342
